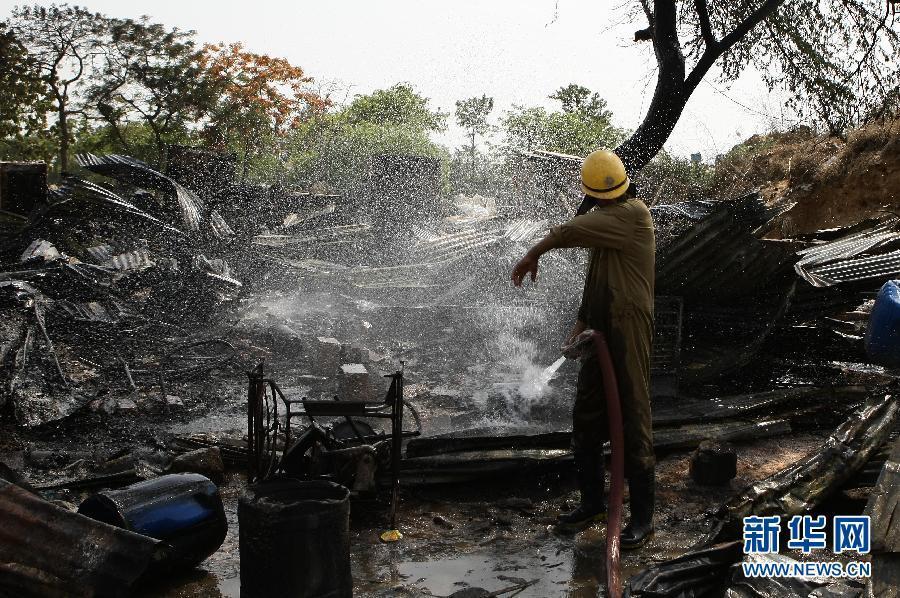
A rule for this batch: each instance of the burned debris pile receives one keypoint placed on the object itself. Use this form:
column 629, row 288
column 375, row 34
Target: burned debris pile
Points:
column 105, row 284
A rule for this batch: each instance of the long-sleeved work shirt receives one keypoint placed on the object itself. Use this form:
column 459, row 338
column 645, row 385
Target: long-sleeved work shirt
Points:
column 620, row 274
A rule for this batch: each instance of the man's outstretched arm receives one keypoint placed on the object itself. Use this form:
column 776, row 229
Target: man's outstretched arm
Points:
column 529, row 263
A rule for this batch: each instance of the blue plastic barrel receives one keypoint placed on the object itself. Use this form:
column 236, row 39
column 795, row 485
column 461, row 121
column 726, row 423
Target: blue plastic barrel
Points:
column 883, row 334
column 183, row 509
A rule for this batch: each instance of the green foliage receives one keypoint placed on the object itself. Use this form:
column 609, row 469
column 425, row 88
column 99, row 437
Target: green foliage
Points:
column 578, row 99
column 257, row 99
column 63, row 43
column 837, row 60
column 335, row 148
column 471, row 115
column 399, row 105
column 582, row 126
column 23, row 101
column 667, row 179
column 149, row 75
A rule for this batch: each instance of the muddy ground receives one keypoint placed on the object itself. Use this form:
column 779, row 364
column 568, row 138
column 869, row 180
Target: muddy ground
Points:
column 490, row 535
column 496, row 536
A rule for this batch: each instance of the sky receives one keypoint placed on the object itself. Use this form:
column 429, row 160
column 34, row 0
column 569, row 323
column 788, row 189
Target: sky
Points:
column 518, row 52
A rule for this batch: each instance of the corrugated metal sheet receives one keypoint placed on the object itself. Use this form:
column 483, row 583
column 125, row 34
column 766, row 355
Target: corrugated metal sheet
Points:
column 92, row 311
column 878, row 267
column 321, row 236
column 139, row 259
column 453, row 246
column 135, row 172
column 82, row 190
column 219, row 227
column 47, row 551
column 407, row 276
column 101, row 253
column 521, row 231
column 718, row 256
column 856, row 257
column 40, row 249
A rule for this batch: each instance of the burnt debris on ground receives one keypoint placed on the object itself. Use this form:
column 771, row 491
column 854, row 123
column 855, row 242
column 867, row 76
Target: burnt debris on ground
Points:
column 134, row 304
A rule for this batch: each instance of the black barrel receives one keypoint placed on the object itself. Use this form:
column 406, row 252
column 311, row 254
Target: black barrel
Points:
column 182, row 509
column 295, row 540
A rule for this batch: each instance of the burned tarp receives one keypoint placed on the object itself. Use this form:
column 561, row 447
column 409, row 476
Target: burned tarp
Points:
column 803, row 485
column 693, row 575
column 47, row 551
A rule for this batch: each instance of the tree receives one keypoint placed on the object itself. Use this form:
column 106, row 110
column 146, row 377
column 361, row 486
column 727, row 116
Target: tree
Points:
column 837, row 58
column 582, row 126
column 63, row 42
column 398, row 105
column 152, row 75
column 577, row 99
column 260, row 99
column 471, row 115
column 336, row 147
column 21, row 106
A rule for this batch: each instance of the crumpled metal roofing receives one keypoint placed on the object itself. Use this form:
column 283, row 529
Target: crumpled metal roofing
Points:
column 716, row 254
column 219, row 227
column 884, row 505
column 135, row 172
column 445, row 247
column 801, row 486
column 82, row 190
column 48, row 551
column 139, row 259
column 853, row 258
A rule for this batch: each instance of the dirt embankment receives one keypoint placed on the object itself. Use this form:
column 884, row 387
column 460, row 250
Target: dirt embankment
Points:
column 834, row 182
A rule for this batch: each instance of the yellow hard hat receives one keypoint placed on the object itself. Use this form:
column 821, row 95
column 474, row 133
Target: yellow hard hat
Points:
column 603, row 175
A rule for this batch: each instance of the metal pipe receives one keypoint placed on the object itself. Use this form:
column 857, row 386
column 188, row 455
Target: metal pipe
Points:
column 617, row 465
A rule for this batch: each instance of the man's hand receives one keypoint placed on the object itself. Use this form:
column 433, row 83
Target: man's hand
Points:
column 526, row 265
column 529, row 263
column 576, row 330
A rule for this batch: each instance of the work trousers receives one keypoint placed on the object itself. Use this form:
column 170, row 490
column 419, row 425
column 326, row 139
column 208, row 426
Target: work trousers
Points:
column 629, row 336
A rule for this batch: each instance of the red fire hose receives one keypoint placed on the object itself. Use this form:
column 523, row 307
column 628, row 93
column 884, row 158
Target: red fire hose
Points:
column 617, row 465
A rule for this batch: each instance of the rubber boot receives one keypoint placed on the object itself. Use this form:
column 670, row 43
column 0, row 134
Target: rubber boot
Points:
column 642, row 489
column 591, row 477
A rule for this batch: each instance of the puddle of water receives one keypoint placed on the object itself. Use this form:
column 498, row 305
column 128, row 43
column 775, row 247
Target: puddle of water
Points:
column 442, row 577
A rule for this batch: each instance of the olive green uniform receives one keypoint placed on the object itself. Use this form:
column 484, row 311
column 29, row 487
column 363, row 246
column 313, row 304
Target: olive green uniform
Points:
column 618, row 301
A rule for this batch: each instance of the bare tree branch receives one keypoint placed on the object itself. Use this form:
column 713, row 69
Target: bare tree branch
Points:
column 743, row 28
column 705, row 26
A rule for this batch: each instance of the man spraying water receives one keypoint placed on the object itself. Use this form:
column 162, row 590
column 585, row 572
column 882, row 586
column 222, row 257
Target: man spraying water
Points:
column 617, row 301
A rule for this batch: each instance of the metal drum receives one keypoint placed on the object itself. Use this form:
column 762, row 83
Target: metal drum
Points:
column 183, row 509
